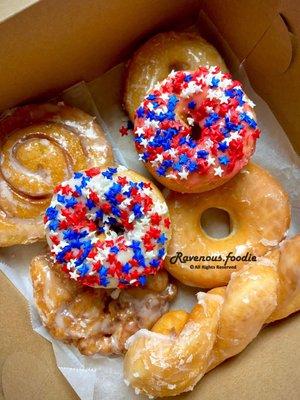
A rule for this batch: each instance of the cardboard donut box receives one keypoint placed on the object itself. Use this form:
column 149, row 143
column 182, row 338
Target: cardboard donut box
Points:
column 49, row 45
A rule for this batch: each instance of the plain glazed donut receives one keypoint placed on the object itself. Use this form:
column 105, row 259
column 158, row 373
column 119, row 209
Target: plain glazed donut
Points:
column 96, row 321
column 183, row 346
column 40, row 146
column 163, row 53
column 108, row 227
column 259, row 212
column 195, row 130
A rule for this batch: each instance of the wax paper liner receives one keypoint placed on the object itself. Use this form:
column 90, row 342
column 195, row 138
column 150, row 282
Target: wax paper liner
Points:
column 95, row 378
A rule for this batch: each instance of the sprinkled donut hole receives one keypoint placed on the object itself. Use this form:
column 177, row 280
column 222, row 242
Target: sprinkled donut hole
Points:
column 108, row 228
column 195, row 130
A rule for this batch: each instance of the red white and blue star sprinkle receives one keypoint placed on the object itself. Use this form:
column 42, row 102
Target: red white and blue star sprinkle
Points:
column 107, row 230
column 207, row 98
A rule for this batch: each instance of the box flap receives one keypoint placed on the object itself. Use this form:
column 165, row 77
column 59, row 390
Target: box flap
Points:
column 8, row 8
column 54, row 44
column 267, row 45
column 28, row 369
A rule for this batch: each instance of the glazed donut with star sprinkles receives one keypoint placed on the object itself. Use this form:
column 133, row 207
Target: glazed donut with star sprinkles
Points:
column 108, row 228
column 195, row 130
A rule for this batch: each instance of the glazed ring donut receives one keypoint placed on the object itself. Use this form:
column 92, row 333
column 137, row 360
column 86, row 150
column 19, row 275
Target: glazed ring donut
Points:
column 195, row 130
column 40, row 146
column 108, row 227
column 163, row 53
column 259, row 213
column 96, row 321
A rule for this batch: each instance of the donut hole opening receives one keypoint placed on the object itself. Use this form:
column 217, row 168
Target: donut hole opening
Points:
column 216, row 223
column 118, row 228
column 178, row 66
column 195, row 132
column 195, row 128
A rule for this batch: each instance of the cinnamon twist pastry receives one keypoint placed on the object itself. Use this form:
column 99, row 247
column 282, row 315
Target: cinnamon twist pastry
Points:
column 182, row 346
column 40, row 146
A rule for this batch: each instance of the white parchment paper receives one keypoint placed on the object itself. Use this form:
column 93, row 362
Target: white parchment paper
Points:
column 95, row 378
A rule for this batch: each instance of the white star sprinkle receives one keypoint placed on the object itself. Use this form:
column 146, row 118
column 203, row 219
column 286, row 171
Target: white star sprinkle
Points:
column 94, row 239
column 162, row 109
column 154, row 124
column 126, row 202
column 191, row 89
column 93, row 272
column 171, row 176
column 224, row 98
column 160, row 208
column 154, row 163
column 147, row 123
column 210, row 94
column 131, row 218
column 71, row 264
column 159, row 158
column 105, row 218
column 225, row 83
column 183, row 174
column 56, row 248
column 210, row 160
column 147, row 191
column 145, row 220
column 250, row 102
column 139, row 131
column 106, row 252
column 144, row 142
column 172, row 152
column 208, row 143
column 219, row 75
column 190, row 121
column 227, row 140
column 74, row 275
column 235, row 135
column 61, row 217
column 150, row 106
column 99, row 257
column 164, row 96
column 111, row 235
column 218, row 171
